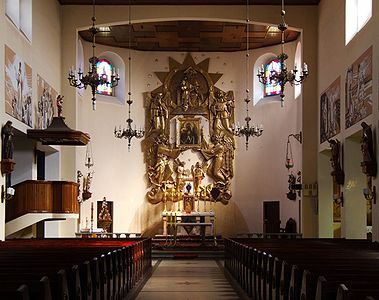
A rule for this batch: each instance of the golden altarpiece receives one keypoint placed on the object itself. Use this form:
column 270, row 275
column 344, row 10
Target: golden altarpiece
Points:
column 189, row 143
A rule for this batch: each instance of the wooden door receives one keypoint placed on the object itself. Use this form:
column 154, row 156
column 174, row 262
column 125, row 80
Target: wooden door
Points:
column 271, row 217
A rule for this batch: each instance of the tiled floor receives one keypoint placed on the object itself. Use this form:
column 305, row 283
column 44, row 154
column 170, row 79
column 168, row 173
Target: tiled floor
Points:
column 188, row 280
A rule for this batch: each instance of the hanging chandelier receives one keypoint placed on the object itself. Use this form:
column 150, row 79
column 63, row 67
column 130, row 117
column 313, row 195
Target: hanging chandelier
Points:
column 283, row 75
column 93, row 78
column 128, row 132
column 248, row 130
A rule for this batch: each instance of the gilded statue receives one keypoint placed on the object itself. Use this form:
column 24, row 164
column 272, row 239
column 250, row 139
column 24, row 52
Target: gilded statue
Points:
column 180, row 173
column 185, row 93
column 159, row 112
column 198, row 175
column 222, row 110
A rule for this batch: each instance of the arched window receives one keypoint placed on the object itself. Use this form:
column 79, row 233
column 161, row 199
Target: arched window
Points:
column 272, row 88
column 105, row 67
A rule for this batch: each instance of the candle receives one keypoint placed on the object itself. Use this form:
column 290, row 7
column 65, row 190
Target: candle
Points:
column 172, row 193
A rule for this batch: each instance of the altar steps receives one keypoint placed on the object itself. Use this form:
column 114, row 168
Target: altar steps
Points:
column 188, row 247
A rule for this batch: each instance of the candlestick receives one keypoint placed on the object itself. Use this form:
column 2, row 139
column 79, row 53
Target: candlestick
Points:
column 164, row 198
column 91, row 216
column 198, row 199
column 205, row 198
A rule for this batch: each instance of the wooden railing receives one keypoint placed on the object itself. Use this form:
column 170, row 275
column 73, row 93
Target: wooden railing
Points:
column 38, row 196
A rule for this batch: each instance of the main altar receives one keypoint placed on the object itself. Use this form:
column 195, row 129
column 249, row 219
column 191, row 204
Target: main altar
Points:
column 189, row 146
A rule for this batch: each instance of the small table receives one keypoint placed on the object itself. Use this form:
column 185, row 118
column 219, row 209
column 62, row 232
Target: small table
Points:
column 172, row 219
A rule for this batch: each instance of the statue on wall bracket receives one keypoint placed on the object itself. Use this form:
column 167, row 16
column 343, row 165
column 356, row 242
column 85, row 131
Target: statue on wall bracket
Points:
column 188, row 115
column 337, row 172
column 369, row 163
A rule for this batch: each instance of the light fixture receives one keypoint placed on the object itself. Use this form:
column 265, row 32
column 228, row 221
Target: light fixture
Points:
column 87, row 179
column 92, row 79
column 128, row 132
column 289, row 157
column 282, row 76
column 255, row 130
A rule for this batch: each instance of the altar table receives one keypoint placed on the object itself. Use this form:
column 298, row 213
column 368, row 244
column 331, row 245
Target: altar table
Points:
column 172, row 220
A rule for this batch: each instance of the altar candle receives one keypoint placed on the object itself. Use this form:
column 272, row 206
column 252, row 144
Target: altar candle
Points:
column 172, row 193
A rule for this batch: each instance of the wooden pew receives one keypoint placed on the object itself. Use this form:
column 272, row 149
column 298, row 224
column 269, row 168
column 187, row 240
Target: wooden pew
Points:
column 121, row 267
column 296, row 279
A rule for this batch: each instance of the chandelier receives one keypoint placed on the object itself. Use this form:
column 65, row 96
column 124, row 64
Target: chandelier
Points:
column 283, row 75
column 255, row 130
column 93, row 78
column 128, row 132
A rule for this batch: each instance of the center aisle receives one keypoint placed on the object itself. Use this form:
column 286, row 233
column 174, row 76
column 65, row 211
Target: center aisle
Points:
column 188, row 280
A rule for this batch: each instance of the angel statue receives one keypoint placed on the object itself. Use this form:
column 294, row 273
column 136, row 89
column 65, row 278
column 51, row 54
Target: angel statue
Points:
column 223, row 111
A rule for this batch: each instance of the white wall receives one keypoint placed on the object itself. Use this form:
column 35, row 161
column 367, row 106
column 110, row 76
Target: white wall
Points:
column 43, row 54
column 334, row 59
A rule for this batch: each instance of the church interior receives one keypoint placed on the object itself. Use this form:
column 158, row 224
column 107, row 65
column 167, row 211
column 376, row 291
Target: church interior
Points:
column 245, row 128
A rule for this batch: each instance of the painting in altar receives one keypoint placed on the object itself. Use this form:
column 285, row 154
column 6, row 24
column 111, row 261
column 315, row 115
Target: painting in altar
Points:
column 188, row 132
column 358, row 89
column 330, row 111
column 18, row 88
column 45, row 108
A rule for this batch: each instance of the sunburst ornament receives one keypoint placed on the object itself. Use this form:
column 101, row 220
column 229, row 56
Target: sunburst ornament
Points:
column 175, row 66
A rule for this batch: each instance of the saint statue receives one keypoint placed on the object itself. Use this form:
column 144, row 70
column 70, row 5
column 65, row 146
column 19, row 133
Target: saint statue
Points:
column 198, row 175
column 7, row 142
column 159, row 112
column 59, row 104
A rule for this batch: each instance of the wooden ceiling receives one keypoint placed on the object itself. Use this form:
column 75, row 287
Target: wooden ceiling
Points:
column 188, row 2
column 190, row 36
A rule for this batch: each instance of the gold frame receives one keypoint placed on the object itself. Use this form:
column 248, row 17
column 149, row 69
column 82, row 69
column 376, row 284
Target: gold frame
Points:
column 188, row 128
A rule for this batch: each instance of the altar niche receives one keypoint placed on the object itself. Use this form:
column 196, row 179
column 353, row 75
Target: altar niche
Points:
column 189, row 138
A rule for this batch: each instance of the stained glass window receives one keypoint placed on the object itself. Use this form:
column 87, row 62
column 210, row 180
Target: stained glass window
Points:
column 272, row 88
column 105, row 67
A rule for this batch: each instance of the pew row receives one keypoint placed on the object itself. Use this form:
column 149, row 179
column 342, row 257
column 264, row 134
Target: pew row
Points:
column 46, row 269
column 304, row 268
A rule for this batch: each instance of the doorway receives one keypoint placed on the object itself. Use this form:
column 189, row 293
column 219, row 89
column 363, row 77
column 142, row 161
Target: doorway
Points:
column 271, row 217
